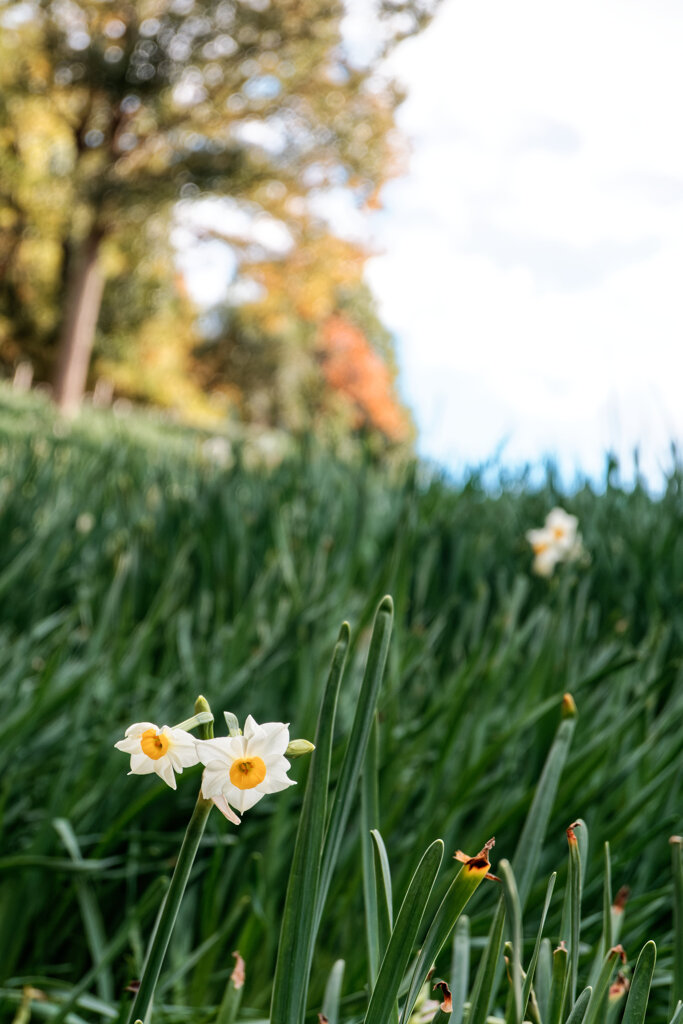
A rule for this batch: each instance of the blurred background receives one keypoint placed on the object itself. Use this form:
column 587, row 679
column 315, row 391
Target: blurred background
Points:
column 456, row 223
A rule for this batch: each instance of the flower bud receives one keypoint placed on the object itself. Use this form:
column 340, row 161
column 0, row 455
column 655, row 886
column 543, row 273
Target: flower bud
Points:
column 297, row 748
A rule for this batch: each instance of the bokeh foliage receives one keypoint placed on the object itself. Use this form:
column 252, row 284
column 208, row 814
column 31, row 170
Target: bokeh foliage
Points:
column 111, row 114
column 136, row 573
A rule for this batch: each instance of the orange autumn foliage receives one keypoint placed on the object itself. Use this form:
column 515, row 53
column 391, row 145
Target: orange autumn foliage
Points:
column 353, row 369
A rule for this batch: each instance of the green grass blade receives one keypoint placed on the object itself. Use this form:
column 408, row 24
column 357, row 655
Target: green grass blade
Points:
column 678, row 1014
column 403, row 936
column 571, row 914
column 558, row 985
column 543, row 979
column 232, row 996
column 384, row 899
column 370, row 821
column 298, row 930
column 486, row 974
column 639, row 992
column 462, row 888
column 460, row 968
column 578, row 1011
column 606, row 941
column 528, row 981
column 526, row 856
column 536, row 824
column 677, row 869
column 595, row 1011
column 355, row 750
column 93, row 925
column 514, row 916
column 333, row 989
column 607, row 902
column 147, row 904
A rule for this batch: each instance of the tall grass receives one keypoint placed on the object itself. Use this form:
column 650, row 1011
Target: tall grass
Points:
column 135, row 574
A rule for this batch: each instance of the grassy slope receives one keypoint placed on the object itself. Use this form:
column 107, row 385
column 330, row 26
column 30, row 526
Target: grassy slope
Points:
column 233, row 583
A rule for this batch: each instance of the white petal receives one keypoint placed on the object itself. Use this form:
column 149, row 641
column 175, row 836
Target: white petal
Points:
column 540, row 540
column 274, row 782
column 214, row 777
column 183, row 748
column 131, row 745
column 176, row 763
column 251, row 727
column 243, row 799
column 273, row 740
column 140, row 764
column 225, row 749
column 138, row 728
column 545, row 562
column 225, row 808
column 164, row 770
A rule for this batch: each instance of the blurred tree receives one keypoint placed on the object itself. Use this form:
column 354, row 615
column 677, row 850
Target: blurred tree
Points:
column 312, row 304
column 113, row 112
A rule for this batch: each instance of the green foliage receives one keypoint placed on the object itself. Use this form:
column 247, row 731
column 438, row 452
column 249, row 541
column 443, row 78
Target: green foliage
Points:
column 114, row 117
column 136, row 573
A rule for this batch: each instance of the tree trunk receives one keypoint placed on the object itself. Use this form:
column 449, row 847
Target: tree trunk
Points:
column 81, row 311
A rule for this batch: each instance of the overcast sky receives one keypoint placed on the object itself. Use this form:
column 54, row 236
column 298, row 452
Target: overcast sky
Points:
column 532, row 265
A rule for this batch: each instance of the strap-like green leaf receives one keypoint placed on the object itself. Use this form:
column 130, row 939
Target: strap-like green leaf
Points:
column 528, row 981
column 402, row 942
column 573, row 903
column 333, row 992
column 677, row 973
column 557, row 987
column 535, row 826
column 639, row 992
column 464, row 885
column 370, row 820
column 298, row 931
column 355, row 750
column 385, row 907
column 609, row 965
column 460, row 968
column 525, row 859
column 578, row 1013
column 514, row 916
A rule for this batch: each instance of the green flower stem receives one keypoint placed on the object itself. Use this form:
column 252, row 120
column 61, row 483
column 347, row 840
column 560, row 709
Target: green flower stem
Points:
column 169, row 911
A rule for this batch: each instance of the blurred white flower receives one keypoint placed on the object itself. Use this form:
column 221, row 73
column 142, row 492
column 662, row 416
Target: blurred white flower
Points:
column 163, row 751
column 219, row 451
column 241, row 769
column 556, row 541
column 546, row 554
column 85, row 522
column 563, row 528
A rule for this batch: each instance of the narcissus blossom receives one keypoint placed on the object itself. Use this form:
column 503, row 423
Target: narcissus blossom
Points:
column 556, row 541
column 241, row 769
column 160, row 750
column 563, row 528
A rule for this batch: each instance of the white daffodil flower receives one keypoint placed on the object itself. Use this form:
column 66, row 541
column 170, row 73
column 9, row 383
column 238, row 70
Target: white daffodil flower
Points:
column 239, row 770
column 563, row 528
column 161, row 750
column 557, row 541
column 546, row 554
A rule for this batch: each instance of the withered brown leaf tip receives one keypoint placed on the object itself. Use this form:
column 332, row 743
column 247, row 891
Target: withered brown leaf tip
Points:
column 447, row 1003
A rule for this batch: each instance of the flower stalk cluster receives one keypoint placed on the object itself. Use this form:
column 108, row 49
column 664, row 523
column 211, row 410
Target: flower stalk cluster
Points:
column 238, row 771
